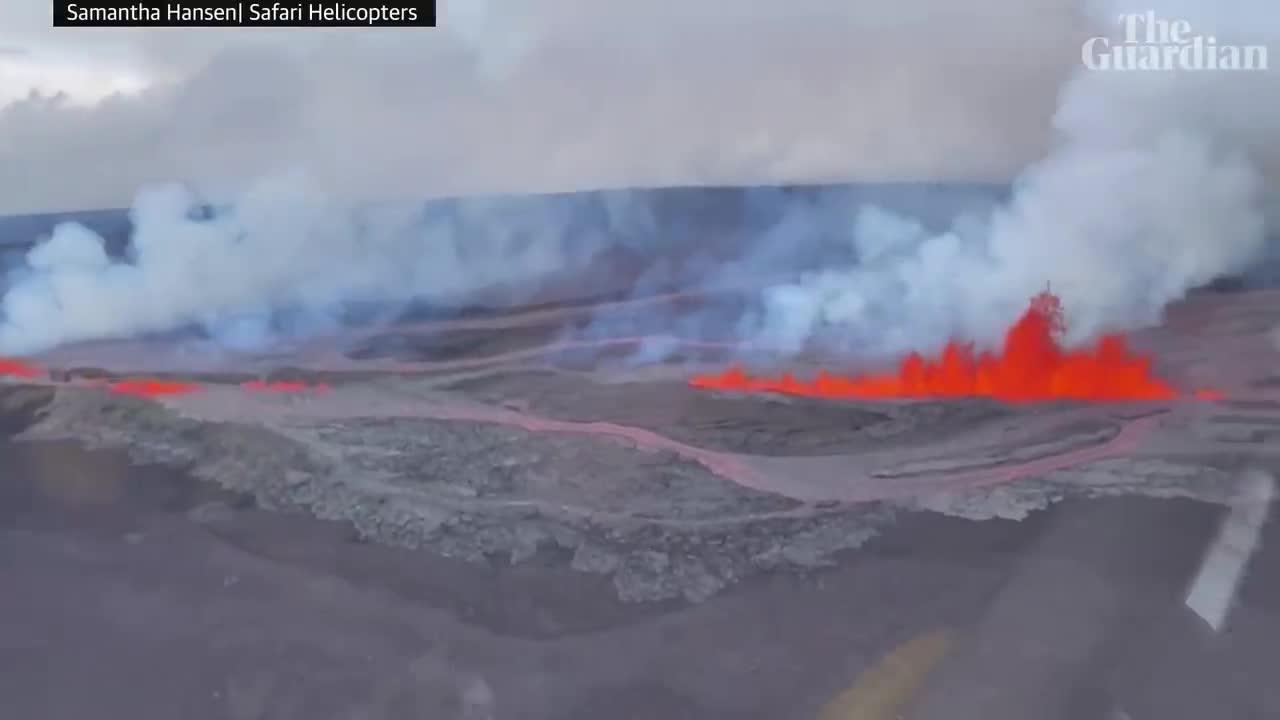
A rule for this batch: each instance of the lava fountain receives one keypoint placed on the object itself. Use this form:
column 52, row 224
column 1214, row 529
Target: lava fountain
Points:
column 1031, row 365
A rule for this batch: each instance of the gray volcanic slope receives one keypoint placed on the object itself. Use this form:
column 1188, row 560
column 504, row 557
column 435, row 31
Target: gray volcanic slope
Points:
column 475, row 522
column 667, row 491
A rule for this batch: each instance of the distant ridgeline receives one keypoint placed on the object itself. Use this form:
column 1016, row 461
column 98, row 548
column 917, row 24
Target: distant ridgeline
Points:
column 655, row 218
column 19, row 232
column 670, row 211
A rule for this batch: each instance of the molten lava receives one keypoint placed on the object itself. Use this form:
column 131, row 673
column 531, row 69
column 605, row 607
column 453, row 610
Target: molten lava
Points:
column 151, row 387
column 1031, row 365
column 157, row 387
column 10, row 367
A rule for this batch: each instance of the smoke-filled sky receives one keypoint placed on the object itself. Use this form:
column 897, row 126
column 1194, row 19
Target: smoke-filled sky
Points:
column 522, row 95
column 1129, row 188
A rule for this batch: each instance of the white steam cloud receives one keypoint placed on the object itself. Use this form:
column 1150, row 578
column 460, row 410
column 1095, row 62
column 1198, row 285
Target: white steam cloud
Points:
column 1152, row 182
column 520, row 96
column 284, row 259
column 1156, row 183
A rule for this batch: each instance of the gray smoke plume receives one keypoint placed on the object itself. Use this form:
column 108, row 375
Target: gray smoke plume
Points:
column 525, row 96
column 284, row 259
column 1157, row 182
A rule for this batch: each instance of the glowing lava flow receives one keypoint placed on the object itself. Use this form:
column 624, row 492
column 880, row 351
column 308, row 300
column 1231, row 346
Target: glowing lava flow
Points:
column 150, row 387
column 1031, row 365
column 157, row 387
column 10, row 367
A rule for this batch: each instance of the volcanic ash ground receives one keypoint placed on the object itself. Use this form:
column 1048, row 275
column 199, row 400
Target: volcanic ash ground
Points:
column 670, row 491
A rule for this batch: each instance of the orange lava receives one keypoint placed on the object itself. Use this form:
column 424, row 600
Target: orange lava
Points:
column 1031, row 365
column 151, row 387
column 283, row 386
column 156, row 387
column 10, row 367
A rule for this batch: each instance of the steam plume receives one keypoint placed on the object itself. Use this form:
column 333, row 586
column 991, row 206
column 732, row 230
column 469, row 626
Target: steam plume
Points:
column 283, row 259
column 1153, row 182
column 1157, row 182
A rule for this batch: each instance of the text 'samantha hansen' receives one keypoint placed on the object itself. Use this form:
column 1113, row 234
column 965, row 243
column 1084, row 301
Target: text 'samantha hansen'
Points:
column 240, row 13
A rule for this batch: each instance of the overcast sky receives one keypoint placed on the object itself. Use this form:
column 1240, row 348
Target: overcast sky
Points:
column 528, row 95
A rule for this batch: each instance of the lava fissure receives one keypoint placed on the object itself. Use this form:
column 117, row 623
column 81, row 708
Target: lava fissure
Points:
column 1031, row 365
column 159, row 387
column 152, row 387
column 12, row 367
